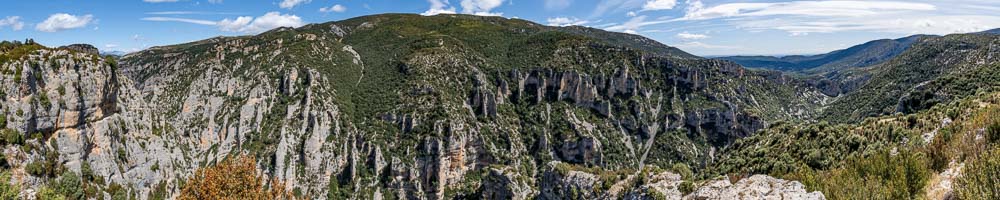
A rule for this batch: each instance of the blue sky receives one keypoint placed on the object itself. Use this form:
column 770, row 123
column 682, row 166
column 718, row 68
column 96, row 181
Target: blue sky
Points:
column 702, row 27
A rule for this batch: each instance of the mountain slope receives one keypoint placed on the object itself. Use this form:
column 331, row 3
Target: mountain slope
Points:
column 398, row 105
column 934, row 70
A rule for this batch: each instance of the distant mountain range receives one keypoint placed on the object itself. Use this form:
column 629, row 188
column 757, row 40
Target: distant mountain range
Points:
column 866, row 54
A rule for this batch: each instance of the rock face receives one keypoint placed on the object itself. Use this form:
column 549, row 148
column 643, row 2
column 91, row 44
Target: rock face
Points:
column 754, row 187
column 333, row 113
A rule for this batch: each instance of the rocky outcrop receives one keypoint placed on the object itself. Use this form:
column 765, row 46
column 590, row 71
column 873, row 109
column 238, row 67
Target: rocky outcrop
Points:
column 556, row 184
column 663, row 185
column 499, row 184
column 754, row 187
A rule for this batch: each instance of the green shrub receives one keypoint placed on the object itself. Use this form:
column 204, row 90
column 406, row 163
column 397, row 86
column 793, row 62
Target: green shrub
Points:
column 44, row 100
column 7, row 190
column 10, row 136
column 686, row 187
column 48, row 167
column 62, row 90
column 980, row 178
column 655, row 194
column 155, row 167
column 122, row 155
column 880, row 176
column 49, row 194
column 70, row 186
column 993, row 132
column 683, row 170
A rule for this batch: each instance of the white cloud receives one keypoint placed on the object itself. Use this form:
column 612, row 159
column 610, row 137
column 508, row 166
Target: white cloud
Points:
column 14, row 22
column 269, row 21
column 439, row 7
column 215, row 1
column 63, row 21
column 110, row 46
column 245, row 24
column 289, row 4
column 481, row 7
column 692, row 36
column 334, row 8
column 565, row 21
column 659, row 5
column 239, row 24
column 158, row 1
column 631, row 14
column 473, row 7
column 557, row 4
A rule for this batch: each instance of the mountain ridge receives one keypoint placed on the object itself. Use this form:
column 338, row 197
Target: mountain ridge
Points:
column 459, row 106
column 866, row 54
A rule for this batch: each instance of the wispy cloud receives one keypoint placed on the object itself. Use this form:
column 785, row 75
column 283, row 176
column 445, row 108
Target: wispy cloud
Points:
column 185, row 20
column 634, row 24
column 700, row 45
column 697, row 11
column 691, row 36
column 190, row 13
column 289, row 4
column 804, row 17
column 605, row 6
column 245, row 24
column 159, row 1
column 14, row 22
column 566, row 21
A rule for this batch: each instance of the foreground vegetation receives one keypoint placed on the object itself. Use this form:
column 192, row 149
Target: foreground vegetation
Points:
column 892, row 157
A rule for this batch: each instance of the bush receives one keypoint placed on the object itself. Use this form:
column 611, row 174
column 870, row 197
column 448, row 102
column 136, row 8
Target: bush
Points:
column 48, row 193
column 10, row 136
column 48, row 167
column 235, row 178
column 980, row 178
column 8, row 191
column 993, row 132
column 880, row 176
column 686, row 187
column 683, row 170
column 70, row 186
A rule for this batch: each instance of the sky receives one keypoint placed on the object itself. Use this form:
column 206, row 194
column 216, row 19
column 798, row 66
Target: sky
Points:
column 701, row 27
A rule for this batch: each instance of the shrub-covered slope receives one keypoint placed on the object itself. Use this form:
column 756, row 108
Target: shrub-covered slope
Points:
column 394, row 105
